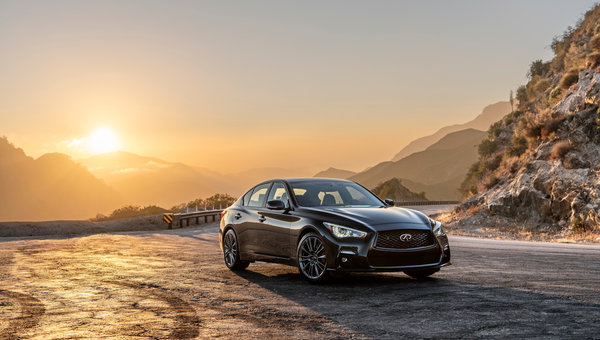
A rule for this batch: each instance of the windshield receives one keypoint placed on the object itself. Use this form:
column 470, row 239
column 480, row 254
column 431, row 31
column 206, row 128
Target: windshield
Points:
column 333, row 194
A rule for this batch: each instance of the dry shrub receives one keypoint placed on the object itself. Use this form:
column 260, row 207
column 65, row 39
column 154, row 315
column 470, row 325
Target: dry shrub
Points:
column 533, row 131
column 551, row 126
column 595, row 42
column 517, row 147
column 593, row 59
column 512, row 164
column 560, row 149
column 569, row 78
column 541, row 85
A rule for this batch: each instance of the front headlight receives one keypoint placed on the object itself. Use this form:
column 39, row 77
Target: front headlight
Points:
column 436, row 226
column 344, row 232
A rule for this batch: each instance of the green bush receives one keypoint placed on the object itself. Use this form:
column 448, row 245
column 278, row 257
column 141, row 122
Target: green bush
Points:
column 129, row 211
column 496, row 129
column 538, row 68
column 487, row 147
column 522, row 96
column 517, row 147
column 555, row 93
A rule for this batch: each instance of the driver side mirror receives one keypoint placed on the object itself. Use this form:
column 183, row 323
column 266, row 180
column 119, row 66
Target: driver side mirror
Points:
column 389, row 202
column 276, row 205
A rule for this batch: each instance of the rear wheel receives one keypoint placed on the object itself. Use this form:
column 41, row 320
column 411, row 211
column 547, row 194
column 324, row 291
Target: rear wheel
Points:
column 420, row 274
column 312, row 261
column 231, row 252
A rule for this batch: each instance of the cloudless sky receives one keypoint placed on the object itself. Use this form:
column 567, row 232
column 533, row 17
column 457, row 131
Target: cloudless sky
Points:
column 233, row 85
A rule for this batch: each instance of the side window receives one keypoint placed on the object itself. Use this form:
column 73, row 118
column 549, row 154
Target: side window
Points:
column 278, row 192
column 246, row 197
column 257, row 199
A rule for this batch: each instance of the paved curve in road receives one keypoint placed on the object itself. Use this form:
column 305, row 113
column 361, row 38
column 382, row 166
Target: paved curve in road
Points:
column 174, row 284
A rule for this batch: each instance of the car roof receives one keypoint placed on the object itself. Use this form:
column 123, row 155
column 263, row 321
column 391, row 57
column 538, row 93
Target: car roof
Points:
column 311, row 179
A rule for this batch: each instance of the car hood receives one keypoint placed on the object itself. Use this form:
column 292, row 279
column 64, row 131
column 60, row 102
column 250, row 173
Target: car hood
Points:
column 379, row 216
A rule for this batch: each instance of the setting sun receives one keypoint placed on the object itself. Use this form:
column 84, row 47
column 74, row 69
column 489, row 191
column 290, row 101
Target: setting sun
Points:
column 103, row 140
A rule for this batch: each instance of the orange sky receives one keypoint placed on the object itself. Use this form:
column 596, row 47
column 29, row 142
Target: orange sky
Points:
column 238, row 85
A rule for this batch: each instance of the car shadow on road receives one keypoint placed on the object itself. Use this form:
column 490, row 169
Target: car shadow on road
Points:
column 394, row 305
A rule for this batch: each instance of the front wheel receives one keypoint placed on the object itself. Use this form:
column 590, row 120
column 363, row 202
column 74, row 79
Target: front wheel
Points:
column 312, row 261
column 420, row 274
column 231, row 252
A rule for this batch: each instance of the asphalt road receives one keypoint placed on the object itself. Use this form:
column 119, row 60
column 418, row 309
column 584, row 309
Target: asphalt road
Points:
column 174, row 284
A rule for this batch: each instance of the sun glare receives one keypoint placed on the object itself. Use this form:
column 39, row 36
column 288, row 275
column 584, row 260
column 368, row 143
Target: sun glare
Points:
column 103, row 140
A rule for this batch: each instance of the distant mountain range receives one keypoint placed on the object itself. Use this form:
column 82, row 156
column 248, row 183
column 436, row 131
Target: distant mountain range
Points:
column 435, row 164
column 335, row 173
column 50, row 187
column 56, row 187
column 147, row 180
column 490, row 114
column 442, row 165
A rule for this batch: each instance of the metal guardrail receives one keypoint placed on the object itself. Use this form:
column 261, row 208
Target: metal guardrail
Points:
column 181, row 219
column 417, row 203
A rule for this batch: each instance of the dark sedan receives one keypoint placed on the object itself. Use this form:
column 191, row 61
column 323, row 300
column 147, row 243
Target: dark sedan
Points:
column 324, row 225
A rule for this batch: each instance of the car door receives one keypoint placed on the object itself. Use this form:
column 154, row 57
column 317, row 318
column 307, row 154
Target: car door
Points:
column 250, row 237
column 274, row 236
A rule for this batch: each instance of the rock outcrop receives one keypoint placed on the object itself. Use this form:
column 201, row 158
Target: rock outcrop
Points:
column 555, row 186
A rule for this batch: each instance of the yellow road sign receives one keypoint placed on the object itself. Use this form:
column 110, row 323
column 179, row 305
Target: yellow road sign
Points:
column 168, row 218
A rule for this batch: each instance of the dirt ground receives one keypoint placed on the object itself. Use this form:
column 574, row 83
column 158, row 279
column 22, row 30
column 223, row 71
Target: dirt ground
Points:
column 174, row 284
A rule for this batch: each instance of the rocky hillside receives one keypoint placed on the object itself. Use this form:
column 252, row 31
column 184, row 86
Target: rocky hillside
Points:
column 538, row 172
column 394, row 189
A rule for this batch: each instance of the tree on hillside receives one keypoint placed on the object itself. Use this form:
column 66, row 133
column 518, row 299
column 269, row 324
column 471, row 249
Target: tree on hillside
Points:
column 512, row 102
column 538, row 68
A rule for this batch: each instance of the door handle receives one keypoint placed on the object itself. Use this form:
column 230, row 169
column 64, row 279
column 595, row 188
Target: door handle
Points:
column 262, row 219
column 237, row 216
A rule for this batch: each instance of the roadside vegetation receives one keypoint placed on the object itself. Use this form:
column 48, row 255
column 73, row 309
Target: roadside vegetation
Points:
column 216, row 201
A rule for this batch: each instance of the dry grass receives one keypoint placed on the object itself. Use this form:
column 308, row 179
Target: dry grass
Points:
column 541, row 85
column 568, row 79
column 551, row 126
column 560, row 149
column 595, row 43
column 593, row 59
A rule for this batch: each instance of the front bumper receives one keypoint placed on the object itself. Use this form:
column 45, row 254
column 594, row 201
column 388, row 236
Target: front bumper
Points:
column 371, row 258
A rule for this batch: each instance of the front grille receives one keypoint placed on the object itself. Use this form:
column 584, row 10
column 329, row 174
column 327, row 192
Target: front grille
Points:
column 404, row 239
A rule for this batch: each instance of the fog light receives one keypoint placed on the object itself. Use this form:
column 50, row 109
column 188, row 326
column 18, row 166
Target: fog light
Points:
column 344, row 260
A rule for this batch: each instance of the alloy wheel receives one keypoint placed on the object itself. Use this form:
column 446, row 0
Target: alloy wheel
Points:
column 230, row 249
column 311, row 257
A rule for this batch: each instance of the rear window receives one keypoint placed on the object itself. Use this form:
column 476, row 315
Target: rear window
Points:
column 246, row 197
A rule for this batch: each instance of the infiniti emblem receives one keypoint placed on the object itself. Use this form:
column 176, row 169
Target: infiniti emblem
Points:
column 405, row 237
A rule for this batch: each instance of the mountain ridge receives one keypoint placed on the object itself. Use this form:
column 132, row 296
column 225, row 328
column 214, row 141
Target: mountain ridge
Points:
column 490, row 114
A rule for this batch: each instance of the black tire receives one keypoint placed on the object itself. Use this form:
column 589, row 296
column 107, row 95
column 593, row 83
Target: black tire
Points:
column 312, row 261
column 231, row 252
column 421, row 274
